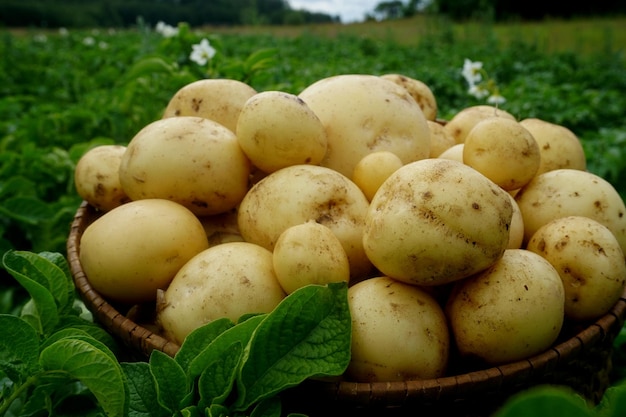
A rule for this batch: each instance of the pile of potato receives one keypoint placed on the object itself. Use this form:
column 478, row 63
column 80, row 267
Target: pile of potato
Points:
column 475, row 238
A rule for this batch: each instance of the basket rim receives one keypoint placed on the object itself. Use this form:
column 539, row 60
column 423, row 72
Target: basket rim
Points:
column 492, row 378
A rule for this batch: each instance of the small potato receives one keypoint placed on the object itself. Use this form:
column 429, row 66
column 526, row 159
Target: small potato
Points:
column 589, row 260
column 276, row 129
column 298, row 194
column 399, row 332
column 193, row 161
column 374, row 169
column 559, row 146
column 225, row 281
column 220, row 100
column 309, row 253
column 419, row 90
column 509, row 311
column 440, row 139
column 364, row 114
column 136, row 249
column 96, row 177
column 454, row 153
column 571, row 192
column 502, row 150
column 463, row 121
column 436, row 221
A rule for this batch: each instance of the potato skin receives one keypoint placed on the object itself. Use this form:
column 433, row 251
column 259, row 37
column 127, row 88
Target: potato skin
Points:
column 509, row 311
column 589, row 260
column 419, row 90
column 435, row 221
column 136, row 249
column 462, row 122
column 399, row 332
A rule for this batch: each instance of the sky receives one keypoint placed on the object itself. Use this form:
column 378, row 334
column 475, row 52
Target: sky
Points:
column 348, row 10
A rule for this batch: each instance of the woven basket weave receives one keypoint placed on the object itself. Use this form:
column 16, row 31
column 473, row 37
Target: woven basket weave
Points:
column 580, row 359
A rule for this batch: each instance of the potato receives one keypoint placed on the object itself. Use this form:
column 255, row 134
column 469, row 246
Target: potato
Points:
column 96, row 177
column 454, row 153
column 371, row 171
column 364, row 114
column 571, row 192
column 502, row 150
column 135, row 249
column 436, row 221
column 221, row 228
column 559, row 146
column 399, row 332
column 440, row 139
column 309, row 253
column 225, row 281
column 276, row 129
column 301, row 193
column 509, row 311
column 464, row 120
column 220, row 100
column 419, row 90
column 193, row 161
column 516, row 231
column 589, row 260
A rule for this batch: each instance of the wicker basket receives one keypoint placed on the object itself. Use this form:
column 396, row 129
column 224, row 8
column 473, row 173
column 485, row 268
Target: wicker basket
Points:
column 580, row 359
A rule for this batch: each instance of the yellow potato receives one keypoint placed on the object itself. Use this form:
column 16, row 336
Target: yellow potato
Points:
column 96, row 177
column 589, row 260
column 364, row 114
column 301, row 193
column 220, row 100
column 455, row 153
column 440, row 139
column 309, row 253
column 225, row 281
column 559, row 146
column 502, row 150
column 136, row 249
column 374, row 169
column 516, row 231
column 276, row 129
column 464, row 120
column 571, row 192
column 399, row 332
column 509, row 311
column 191, row 160
column 221, row 228
column 436, row 221
column 419, row 90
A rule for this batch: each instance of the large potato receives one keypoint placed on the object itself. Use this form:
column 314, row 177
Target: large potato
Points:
column 225, row 281
column 419, row 90
column 276, row 129
column 136, row 249
column 191, row 160
column 220, row 100
column 589, row 260
column 301, row 193
column 509, row 311
column 465, row 119
column 502, row 150
column 435, row 221
column 364, row 114
column 559, row 146
column 96, row 177
column 571, row 192
column 399, row 332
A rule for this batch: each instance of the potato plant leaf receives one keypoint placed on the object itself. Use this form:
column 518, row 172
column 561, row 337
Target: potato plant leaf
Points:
column 171, row 381
column 308, row 334
column 85, row 361
column 545, row 401
column 270, row 407
column 19, row 352
column 199, row 339
column 142, row 391
column 30, row 210
column 216, row 382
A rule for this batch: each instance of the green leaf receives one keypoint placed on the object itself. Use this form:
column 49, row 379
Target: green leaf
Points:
column 19, row 353
column 16, row 185
column 613, row 402
column 199, row 339
column 148, row 66
column 45, row 315
column 79, row 334
column 218, row 410
column 171, row 381
column 142, row 391
column 217, row 379
column 270, row 407
column 102, row 374
column 545, row 401
column 30, row 210
column 307, row 334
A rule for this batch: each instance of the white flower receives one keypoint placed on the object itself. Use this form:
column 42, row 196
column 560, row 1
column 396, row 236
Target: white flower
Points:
column 202, row 52
column 472, row 71
column 478, row 91
column 166, row 30
column 496, row 99
column 63, row 32
column 89, row 41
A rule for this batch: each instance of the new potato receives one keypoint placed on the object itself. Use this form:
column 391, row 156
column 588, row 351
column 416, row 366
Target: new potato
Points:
column 371, row 171
column 419, row 90
column 465, row 119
